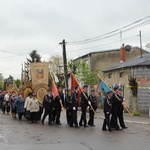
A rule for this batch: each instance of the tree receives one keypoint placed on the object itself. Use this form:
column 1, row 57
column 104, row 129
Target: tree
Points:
column 56, row 67
column 1, row 82
column 56, row 64
column 73, row 66
column 84, row 74
column 17, row 82
column 134, row 88
column 34, row 57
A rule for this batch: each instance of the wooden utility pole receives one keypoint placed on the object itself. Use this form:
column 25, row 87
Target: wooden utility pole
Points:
column 65, row 63
column 140, row 42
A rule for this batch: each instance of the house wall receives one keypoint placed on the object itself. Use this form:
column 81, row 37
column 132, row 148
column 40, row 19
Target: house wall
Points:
column 105, row 60
column 142, row 74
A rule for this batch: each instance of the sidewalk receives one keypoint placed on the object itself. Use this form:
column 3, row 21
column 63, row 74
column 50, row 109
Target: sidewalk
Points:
column 142, row 119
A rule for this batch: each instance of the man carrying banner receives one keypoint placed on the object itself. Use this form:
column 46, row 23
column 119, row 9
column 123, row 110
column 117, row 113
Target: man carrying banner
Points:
column 115, row 108
column 74, row 107
column 68, row 106
column 93, row 102
column 84, row 104
column 121, row 109
column 58, row 104
column 107, row 111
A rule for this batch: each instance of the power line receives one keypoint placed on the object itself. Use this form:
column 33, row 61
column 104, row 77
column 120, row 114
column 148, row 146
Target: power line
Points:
column 109, row 34
column 102, row 44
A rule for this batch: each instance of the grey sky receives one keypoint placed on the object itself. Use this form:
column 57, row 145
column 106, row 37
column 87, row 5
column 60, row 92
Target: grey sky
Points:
column 26, row 25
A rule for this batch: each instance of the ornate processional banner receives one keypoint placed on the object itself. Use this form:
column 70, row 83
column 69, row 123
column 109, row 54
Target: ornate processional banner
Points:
column 39, row 73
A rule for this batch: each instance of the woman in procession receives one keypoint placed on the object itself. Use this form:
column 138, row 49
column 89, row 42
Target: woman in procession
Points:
column 12, row 99
column 19, row 106
column 34, row 108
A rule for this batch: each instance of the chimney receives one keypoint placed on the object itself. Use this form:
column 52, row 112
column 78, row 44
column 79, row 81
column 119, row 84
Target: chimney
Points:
column 122, row 54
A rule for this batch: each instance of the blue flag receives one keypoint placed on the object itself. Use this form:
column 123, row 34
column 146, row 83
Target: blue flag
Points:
column 104, row 87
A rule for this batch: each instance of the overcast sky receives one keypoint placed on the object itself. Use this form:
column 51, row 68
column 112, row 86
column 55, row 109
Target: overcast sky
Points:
column 27, row 25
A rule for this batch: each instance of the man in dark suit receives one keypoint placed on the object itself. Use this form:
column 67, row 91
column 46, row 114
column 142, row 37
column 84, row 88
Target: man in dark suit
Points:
column 93, row 102
column 74, row 108
column 115, row 108
column 58, row 103
column 84, row 104
column 48, row 106
column 121, row 109
column 68, row 106
column 107, row 111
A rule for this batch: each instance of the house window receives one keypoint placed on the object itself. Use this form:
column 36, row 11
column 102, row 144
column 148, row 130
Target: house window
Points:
column 121, row 74
column 109, row 75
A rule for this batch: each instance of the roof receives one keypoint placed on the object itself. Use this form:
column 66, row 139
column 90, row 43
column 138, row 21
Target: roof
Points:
column 111, row 50
column 137, row 61
column 96, row 53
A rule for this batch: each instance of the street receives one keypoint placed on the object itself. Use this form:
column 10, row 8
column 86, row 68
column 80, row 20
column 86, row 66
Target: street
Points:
column 23, row 135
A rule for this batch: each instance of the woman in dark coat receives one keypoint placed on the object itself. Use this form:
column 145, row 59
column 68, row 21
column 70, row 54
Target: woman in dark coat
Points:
column 19, row 104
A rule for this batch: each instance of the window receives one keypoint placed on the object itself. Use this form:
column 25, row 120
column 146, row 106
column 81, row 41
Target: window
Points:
column 109, row 75
column 121, row 74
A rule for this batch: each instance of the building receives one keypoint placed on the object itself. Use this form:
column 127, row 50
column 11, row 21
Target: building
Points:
column 139, row 68
column 104, row 59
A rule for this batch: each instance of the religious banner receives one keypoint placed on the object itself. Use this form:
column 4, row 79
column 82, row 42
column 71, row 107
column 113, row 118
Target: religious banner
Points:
column 39, row 73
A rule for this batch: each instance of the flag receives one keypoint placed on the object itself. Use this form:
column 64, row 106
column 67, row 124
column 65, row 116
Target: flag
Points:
column 74, row 83
column 103, row 87
column 54, row 89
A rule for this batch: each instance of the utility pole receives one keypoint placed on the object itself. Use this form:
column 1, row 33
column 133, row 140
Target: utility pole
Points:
column 140, row 42
column 65, row 63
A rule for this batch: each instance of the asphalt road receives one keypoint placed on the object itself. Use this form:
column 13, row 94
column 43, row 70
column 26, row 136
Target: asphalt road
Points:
column 22, row 135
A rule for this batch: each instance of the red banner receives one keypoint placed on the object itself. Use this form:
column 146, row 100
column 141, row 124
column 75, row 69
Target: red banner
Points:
column 74, row 83
column 54, row 89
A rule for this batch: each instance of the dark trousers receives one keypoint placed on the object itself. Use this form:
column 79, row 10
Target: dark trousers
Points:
column 20, row 115
column 27, row 115
column 114, row 122
column 68, row 115
column 40, row 112
column 5, row 107
column 33, row 116
column 83, row 116
column 106, row 122
column 121, row 119
column 74, row 118
column 56, row 115
column 91, row 118
column 49, row 113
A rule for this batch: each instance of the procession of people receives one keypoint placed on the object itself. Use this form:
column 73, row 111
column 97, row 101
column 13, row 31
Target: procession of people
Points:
column 13, row 103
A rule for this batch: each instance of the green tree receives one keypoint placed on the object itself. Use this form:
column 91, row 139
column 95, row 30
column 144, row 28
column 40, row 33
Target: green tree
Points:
column 73, row 66
column 134, row 89
column 1, row 82
column 86, row 75
column 56, row 67
column 17, row 82
column 34, row 57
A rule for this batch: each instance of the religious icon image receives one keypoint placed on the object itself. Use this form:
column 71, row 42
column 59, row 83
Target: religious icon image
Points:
column 39, row 74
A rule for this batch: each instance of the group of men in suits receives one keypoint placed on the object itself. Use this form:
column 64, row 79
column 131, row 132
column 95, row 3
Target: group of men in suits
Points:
column 71, row 103
column 113, row 110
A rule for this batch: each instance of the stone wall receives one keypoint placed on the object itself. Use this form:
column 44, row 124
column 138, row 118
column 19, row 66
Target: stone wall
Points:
column 142, row 74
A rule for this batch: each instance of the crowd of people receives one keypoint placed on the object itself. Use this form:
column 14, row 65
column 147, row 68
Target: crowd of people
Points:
column 30, row 108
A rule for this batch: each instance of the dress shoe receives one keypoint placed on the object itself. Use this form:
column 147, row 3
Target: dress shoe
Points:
column 58, row 123
column 118, row 129
column 86, row 126
column 77, row 127
column 104, row 129
column 124, row 127
column 110, row 130
column 93, row 125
